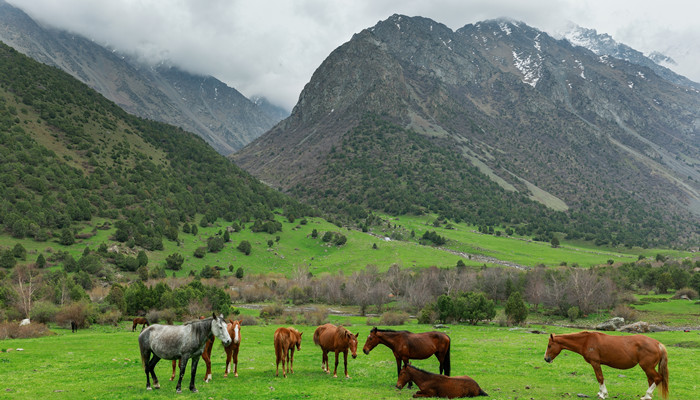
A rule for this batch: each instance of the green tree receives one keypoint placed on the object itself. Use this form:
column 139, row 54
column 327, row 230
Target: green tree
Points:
column 474, row 307
column 554, row 242
column 142, row 258
column 19, row 252
column 174, row 261
column 200, row 252
column 215, row 244
column 67, row 237
column 664, row 283
column 40, row 261
column 7, row 260
column 515, row 309
column 239, row 273
column 245, row 247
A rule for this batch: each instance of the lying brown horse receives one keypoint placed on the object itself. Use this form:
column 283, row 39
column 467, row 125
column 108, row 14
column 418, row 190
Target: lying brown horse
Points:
column 436, row 385
column 140, row 321
column 336, row 339
column 621, row 352
column 412, row 346
column 285, row 341
column 234, row 330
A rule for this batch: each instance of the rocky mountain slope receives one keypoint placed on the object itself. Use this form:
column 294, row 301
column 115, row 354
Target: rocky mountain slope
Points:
column 604, row 146
column 221, row 115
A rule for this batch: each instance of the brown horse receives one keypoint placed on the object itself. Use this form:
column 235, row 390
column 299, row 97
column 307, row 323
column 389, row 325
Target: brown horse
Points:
column 285, row 341
column 140, row 321
column 234, row 330
column 436, row 385
column 336, row 339
column 621, row 352
column 412, row 346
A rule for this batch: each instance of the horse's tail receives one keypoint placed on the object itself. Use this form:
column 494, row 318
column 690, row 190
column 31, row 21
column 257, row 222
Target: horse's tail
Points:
column 317, row 334
column 446, row 365
column 663, row 371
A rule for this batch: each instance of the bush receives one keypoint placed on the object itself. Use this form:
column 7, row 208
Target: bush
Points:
column 44, row 312
column 272, row 310
column 393, row 318
column 12, row 330
column 80, row 312
column 626, row 312
column 573, row 313
column 245, row 247
column 686, row 291
column 428, row 315
column 200, row 252
column 248, row 320
column 316, row 317
column 111, row 317
column 515, row 309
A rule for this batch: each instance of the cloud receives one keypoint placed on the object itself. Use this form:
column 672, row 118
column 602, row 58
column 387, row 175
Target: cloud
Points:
column 272, row 47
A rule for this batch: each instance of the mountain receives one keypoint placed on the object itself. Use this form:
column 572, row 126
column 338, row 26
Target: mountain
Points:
column 495, row 123
column 68, row 155
column 221, row 115
column 605, row 45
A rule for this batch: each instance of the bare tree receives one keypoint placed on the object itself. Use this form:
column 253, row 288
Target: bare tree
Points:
column 360, row 286
column 535, row 287
column 25, row 283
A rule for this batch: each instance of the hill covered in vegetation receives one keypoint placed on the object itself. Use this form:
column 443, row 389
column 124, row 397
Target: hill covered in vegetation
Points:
column 68, row 154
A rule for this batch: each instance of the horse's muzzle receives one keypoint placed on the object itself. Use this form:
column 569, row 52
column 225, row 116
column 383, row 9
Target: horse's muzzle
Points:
column 365, row 351
column 226, row 344
column 548, row 359
column 354, row 356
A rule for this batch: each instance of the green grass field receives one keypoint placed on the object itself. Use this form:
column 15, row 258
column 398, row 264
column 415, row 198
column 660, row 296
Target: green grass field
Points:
column 103, row 363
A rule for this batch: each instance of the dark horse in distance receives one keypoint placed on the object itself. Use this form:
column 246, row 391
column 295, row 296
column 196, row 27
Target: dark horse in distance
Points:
column 179, row 342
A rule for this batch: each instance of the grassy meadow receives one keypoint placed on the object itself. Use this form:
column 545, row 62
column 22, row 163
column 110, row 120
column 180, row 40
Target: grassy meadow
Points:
column 103, row 363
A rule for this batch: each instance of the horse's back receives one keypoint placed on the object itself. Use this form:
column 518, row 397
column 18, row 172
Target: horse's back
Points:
column 322, row 333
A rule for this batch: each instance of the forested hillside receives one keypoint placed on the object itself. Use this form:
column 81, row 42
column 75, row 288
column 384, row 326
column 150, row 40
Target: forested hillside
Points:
column 68, row 154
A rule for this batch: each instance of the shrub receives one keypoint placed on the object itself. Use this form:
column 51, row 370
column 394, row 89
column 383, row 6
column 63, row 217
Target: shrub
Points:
column 153, row 316
column 81, row 312
column 428, row 315
column 245, row 247
column 200, row 252
column 626, row 312
column 515, row 309
column 393, row 318
column 12, row 330
column 111, row 317
column 272, row 310
column 573, row 313
column 44, row 312
column 690, row 293
column 248, row 320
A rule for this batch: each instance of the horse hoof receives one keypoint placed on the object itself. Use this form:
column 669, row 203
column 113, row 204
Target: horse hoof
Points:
column 194, row 390
column 236, row 375
column 149, row 388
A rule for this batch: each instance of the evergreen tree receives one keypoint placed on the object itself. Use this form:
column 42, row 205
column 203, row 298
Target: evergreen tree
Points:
column 515, row 309
column 40, row 261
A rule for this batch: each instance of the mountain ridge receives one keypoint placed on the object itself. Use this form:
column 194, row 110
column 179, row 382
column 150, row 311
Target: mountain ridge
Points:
column 516, row 102
column 225, row 118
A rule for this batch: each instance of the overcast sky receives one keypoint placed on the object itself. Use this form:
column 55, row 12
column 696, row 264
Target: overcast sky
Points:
column 272, row 47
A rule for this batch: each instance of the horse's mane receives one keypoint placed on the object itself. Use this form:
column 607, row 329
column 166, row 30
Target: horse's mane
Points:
column 421, row 370
column 388, row 330
column 198, row 320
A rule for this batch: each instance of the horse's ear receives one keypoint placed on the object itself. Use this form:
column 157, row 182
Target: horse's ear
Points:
column 301, row 333
column 229, row 320
column 357, row 335
column 551, row 336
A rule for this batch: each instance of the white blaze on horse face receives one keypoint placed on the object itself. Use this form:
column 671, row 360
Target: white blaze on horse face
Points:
column 236, row 338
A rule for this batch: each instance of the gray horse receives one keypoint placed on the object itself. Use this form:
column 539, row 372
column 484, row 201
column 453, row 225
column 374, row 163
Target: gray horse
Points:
column 179, row 342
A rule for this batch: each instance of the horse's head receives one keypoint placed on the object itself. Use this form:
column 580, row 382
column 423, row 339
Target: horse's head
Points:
column 352, row 343
column 234, row 330
column 372, row 341
column 297, row 338
column 553, row 349
column 404, row 378
column 218, row 328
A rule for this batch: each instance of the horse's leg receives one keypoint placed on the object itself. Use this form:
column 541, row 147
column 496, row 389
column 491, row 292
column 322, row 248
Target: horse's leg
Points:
column 173, row 375
column 193, row 374
column 325, row 366
column 335, row 370
column 291, row 360
column 133, row 327
column 653, row 378
column 206, row 356
column 235, row 362
column 146, row 368
column 183, row 365
column 152, row 369
column 229, row 350
column 603, row 392
column 345, row 361
column 284, row 362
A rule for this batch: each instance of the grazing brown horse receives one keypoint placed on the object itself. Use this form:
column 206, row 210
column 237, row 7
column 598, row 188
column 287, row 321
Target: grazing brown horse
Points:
column 436, row 385
column 336, row 339
column 621, row 352
column 285, row 341
column 412, row 346
column 140, row 321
